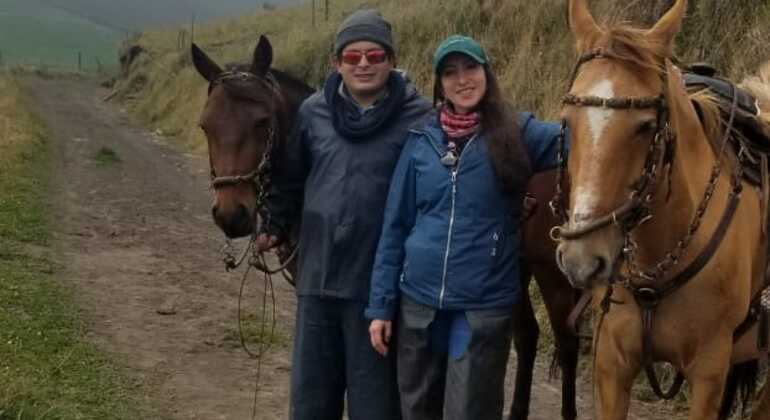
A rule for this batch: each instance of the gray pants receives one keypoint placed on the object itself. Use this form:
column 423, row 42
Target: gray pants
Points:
column 334, row 357
column 434, row 385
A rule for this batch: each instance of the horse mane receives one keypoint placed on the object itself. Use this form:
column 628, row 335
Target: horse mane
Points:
column 290, row 84
column 707, row 104
column 631, row 44
column 759, row 87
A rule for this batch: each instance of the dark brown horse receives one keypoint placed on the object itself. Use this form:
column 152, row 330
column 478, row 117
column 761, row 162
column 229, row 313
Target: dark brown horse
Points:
column 248, row 107
column 252, row 106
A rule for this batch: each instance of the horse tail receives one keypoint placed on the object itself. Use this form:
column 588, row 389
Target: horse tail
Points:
column 759, row 87
column 741, row 379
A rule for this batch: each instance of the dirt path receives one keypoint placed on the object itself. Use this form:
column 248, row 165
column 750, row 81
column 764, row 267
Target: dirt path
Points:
column 138, row 240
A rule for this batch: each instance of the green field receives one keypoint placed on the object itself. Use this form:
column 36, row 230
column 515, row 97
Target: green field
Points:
column 47, row 369
column 33, row 34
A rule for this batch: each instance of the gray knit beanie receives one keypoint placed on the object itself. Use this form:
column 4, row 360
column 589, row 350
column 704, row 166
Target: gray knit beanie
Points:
column 364, row 25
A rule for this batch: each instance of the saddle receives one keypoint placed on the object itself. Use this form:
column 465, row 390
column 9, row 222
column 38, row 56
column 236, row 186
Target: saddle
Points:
column 751, row 136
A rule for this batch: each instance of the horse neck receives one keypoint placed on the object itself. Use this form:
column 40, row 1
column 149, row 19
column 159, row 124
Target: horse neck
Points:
column 673, row 208
column 294, row 91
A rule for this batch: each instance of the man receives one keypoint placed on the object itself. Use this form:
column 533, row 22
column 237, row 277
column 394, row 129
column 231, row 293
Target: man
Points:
column 335, row 173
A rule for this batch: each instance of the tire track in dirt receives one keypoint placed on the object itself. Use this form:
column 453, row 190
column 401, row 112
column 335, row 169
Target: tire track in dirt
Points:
column 136, row 237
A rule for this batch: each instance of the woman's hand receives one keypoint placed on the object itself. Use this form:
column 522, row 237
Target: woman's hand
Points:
column 380, row 332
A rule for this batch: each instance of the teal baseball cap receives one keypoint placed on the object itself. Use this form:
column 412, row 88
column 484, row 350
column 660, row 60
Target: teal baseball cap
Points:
column 459, row 44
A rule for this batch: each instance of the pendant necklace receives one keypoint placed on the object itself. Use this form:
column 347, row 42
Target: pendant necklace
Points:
column 450, row 157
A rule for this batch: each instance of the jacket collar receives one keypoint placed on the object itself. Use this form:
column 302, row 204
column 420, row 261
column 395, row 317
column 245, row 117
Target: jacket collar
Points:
column 435, row 135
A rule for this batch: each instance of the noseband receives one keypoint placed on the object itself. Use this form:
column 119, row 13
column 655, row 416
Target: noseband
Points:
column 636, row 209
column 257, row 178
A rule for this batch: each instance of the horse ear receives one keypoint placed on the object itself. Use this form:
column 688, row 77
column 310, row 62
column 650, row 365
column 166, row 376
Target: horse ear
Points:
column 668, row 26
column 263, row 56
column 582, row 24
column 205, row 66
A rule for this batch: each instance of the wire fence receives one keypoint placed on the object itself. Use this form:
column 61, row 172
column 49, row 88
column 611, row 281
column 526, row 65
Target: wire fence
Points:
column 80, row 61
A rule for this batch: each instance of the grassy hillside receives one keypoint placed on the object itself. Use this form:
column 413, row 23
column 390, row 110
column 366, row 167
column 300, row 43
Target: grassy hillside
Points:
column 47, row 370
column 529, row 42
column 36, row 34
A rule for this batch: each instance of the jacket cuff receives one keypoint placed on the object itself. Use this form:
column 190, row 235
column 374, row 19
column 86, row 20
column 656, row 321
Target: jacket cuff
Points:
column 382, row 313
column 272, row 228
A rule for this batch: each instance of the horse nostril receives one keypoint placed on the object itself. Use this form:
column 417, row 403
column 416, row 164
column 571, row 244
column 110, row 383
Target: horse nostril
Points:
column 243, row 212
column 601, row 266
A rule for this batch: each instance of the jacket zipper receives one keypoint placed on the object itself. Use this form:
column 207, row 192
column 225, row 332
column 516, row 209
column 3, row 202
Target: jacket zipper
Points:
column 451, row 224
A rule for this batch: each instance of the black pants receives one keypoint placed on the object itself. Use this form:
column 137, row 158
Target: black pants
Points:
column 332, row 355
column 434, row 385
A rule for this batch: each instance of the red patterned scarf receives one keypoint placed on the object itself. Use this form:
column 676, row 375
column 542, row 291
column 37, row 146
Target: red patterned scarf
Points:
column 458, row 125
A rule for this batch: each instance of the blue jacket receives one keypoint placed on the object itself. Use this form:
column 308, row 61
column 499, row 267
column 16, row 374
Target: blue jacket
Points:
column 450, row 239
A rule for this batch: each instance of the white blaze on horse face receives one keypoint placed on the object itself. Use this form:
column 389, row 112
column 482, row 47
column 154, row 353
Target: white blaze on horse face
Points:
column 598, row 118
column 587, row 196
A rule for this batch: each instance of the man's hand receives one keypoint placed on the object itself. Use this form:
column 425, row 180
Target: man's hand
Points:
column 265, row 242
column 380, row 332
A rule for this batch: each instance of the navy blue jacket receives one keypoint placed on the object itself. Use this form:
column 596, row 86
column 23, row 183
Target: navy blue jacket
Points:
column 450, row 238
column 338, row 187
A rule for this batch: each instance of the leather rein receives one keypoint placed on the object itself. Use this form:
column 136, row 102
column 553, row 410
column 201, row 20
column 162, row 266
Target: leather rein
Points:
column 651, row 286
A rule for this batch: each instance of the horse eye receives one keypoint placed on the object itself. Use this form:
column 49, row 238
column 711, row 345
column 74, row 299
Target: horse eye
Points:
column 646, row 127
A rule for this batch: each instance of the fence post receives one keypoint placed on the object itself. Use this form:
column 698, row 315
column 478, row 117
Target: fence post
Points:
column 326, row 10
column 312, row 5
column 192, row 29
column 80, row 61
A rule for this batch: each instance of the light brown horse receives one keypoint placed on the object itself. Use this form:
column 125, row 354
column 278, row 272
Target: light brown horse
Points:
column 640, row 166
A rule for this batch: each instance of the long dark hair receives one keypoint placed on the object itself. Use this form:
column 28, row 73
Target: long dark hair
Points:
column 510, row 160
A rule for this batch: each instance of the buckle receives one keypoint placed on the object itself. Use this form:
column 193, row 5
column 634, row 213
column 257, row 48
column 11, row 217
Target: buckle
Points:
column 647, row 297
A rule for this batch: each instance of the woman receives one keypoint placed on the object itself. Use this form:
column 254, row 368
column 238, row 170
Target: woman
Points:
column 447, row 260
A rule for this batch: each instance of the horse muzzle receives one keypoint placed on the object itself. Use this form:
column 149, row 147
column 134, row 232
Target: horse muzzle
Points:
column 235, row 221
column 587, row 262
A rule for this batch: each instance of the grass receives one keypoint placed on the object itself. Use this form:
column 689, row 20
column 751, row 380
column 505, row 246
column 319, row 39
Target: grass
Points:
column 40, row 35
column 47, row 369
column 106, row 156
column 255, row 335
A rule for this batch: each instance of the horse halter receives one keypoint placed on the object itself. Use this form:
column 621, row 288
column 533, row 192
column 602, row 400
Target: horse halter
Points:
column 636, row 209
column 256, row 177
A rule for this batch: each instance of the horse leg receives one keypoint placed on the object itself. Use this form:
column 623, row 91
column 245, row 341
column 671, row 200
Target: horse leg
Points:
column 707, row 378
column 617, row 355
column 525, row 335
column 560, row 298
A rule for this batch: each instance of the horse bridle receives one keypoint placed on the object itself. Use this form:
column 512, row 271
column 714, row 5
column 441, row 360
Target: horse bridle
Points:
column 637, row 209
column 259, row 177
